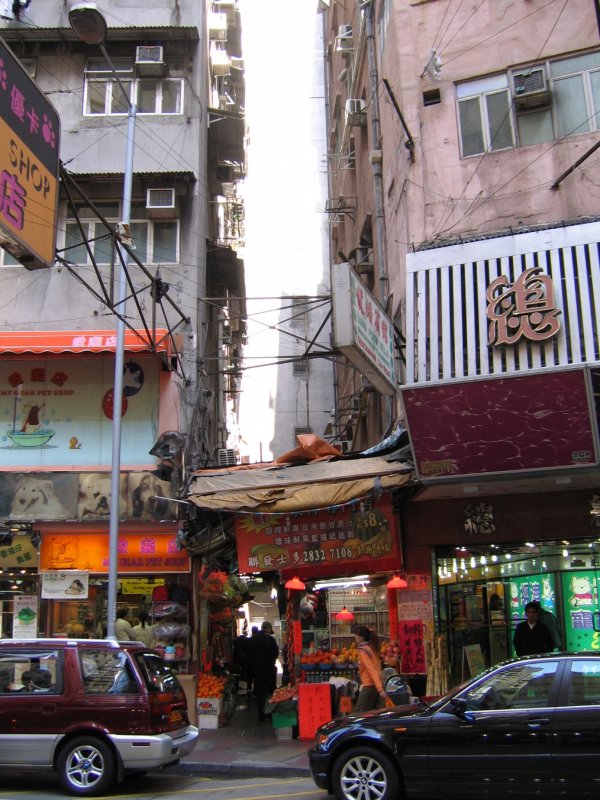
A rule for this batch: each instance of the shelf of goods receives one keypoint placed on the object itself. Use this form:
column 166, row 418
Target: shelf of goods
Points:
column 216, row 699
column 172, row 631
column 366, row 610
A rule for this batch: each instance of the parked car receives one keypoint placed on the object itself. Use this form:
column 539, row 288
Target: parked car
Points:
column 526, row 727
column 89, row 710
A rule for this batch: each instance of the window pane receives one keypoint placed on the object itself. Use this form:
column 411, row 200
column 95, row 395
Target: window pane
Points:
column 171, row 97
column 7, row 259
column 519, row 686
column 165, row 242
column 103, row 244
column 139, row 233
column 536, row 127
column 584, row 688
column 498, row 110
column 470, row 127
column 75, row 250
column 595, row 83
column 146, row 96
column 571, row 108
column 96, row 97
column 578, row 64
column 120, row 102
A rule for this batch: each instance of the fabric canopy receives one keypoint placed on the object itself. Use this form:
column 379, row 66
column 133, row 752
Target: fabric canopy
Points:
column 295, row 488
column 73, row 341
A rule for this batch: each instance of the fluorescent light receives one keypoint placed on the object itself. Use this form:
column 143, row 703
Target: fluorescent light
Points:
column 342, row 583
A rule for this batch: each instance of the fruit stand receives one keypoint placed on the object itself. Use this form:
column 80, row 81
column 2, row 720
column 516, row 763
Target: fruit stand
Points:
column 215, row 699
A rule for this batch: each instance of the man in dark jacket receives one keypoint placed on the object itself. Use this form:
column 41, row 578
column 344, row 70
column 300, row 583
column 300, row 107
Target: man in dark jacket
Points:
column 532, row 636
column 262, row 655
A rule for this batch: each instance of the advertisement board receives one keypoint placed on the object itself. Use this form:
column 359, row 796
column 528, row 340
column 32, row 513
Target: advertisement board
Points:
column 29, row 148
column 580, row 602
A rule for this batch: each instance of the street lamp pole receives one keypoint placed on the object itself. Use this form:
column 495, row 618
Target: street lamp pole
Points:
column 90, row 26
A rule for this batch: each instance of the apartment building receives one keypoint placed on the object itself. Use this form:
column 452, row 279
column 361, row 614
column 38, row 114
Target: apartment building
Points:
column 464, row 189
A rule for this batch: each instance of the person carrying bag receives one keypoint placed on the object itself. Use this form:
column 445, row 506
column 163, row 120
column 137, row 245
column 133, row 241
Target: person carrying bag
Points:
column 372, row 694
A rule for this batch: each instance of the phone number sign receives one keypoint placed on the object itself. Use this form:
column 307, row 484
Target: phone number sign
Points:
column 29, row 145
column 307, row 541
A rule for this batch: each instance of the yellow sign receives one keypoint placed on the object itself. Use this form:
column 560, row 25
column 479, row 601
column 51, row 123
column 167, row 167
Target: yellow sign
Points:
column 140, row 585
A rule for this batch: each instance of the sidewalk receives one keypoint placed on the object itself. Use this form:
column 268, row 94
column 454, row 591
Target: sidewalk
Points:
column 246, row 747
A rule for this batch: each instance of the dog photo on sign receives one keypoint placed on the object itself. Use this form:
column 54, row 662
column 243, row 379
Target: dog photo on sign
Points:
column 148, row 497
column 94, row 496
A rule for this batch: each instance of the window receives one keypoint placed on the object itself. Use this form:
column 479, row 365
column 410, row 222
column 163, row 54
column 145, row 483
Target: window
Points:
column 156, row 241
column 489, row 120
column 382, row 23
column 106, row 672
column 300, row 367
column 30, row 672
column 104, row 95
column 518, row 686
column 584, row 686
column 298, row 311
column 6, row 260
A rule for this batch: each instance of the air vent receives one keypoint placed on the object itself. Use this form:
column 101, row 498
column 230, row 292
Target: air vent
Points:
column 356, row 111
column 226, row 457
column 160, row 203
column 530, row 87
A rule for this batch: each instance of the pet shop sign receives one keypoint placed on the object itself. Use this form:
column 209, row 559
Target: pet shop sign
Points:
column 150, row 553
column 65, row 585
column 313, row 540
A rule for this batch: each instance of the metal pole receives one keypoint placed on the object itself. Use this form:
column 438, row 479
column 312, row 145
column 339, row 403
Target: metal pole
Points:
column 121, row 281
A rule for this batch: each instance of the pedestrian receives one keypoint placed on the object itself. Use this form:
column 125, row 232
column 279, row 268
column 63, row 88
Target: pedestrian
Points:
column 372, row 694
column 144, row 631
column 249, row 668
column 550, row 621
column 123, row 630
column 262, row 655
column 532, row 636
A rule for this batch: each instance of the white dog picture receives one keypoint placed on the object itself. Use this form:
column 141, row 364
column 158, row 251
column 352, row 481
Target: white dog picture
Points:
column 34, row 498
column 94, row 496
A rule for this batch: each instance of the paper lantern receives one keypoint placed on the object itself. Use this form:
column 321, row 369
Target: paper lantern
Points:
column 344, row 615
column 295, row 583
column 397, row 583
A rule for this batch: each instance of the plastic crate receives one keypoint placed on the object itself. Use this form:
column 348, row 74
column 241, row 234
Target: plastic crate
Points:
column 284, row 719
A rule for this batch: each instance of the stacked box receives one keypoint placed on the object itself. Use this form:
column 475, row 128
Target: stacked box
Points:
column 210, row 712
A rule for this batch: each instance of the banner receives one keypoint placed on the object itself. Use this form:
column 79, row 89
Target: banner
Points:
column 25, row 617
column 65, row 586
column 359, row 537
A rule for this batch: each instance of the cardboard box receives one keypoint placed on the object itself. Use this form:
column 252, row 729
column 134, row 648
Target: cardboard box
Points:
column 209, row 711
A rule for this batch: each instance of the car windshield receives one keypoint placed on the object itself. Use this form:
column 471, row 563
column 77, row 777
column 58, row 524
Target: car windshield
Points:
column 157, row 675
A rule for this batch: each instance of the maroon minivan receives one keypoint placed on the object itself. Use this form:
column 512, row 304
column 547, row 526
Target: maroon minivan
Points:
column 90, row 710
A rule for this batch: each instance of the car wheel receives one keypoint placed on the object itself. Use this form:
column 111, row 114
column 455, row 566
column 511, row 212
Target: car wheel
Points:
column 86, row 766
column 365, row 773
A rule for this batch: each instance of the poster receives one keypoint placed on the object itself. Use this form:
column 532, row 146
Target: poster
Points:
column 69, row 585
column 531, row 587
column 580, row 597
column 25, row 617
column 412, row 646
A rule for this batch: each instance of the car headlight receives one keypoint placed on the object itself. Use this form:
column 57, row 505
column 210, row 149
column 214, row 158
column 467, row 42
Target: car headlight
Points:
column 320, row 739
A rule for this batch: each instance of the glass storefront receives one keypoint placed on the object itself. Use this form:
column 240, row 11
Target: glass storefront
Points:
column 483, row 589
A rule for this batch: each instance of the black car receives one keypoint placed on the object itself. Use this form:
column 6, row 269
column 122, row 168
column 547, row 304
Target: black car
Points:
column 526, row 727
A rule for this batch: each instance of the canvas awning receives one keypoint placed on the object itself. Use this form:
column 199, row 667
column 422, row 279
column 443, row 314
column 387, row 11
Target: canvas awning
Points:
column 295, row 488
column 89, row 341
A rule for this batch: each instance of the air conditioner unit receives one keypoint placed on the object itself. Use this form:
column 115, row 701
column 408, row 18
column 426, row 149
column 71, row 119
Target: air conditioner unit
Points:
column 226, row 457
column 219, row 61
column 217, row 27
column 530, row 87
column 149, row 61
column 344, row 40
column 160, row 203
column 356, row 111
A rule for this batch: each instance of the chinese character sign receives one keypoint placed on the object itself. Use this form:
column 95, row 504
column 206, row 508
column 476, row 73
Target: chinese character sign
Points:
column 29, row 143
column 412, row 646
column 580, row 604
column 311, row 540
column 524, row 309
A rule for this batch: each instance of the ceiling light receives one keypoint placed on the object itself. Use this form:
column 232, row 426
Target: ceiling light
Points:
column 344, row 615
column 295, row 583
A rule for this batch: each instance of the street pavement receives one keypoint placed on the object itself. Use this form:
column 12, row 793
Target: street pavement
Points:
column 246, row 747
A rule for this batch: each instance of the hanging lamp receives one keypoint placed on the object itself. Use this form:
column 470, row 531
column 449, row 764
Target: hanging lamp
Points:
column 397, row 582
column 344, row 615
column 295, row 583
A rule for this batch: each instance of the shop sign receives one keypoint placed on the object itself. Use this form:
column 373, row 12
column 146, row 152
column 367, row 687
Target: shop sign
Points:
column 411, row 642
column 522, row 310
column 68, row 585
column 340, row 537
column 527, row 589
column 29, row 146
column 25, row 617
column 21, row 553
column 314, row 708
column 149, row 553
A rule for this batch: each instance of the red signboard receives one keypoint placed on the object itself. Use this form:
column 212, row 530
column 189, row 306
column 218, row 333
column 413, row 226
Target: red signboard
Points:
column 412, row 646
column 508, row 424
column 314, row 708
column 338, row 540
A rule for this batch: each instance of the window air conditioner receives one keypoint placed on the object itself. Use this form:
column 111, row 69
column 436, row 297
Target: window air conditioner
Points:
column 226, row 457
column 217, row 27
column 356, row 111
column 343, row 40
column 530, row 87
column 160, row 203
column 149, row 61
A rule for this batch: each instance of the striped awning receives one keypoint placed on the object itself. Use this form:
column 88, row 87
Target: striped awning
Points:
column 96, row 341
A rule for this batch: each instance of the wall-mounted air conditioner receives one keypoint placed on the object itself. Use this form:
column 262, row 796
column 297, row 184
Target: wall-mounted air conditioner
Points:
column 160, row 203
column 217, row 27
column 530, row 87
column 219, row 61
column 226, row 457
column 344, row 40
column 356, row 111
column 149, row 61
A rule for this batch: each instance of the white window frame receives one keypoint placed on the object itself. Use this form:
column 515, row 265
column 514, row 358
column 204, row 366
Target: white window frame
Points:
column 480, row 90
column 102, row 74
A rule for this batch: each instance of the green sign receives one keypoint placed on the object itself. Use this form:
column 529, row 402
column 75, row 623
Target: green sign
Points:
column 531, row 587
column 580, row 593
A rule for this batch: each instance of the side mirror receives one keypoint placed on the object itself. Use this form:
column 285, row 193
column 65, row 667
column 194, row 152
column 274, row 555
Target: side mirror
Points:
column 459, row 704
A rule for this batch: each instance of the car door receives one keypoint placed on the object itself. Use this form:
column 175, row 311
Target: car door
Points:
column 499, row 740
column 576, row 728
column 31, row 705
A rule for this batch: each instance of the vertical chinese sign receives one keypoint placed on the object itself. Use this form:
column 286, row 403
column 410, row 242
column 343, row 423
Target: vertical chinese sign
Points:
column 29, row 144
column 415, row 622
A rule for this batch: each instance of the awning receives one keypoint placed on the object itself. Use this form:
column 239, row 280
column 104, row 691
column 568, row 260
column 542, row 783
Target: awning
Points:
column 98, row 341
column 296, row 488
